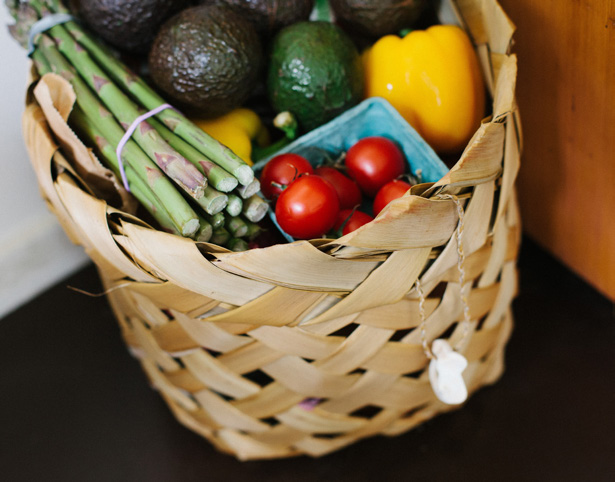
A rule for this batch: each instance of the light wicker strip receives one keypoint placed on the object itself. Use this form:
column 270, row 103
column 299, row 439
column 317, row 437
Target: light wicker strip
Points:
column 236, row 342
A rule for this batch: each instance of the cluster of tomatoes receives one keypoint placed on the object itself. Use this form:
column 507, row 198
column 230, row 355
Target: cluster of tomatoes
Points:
column 312, row 202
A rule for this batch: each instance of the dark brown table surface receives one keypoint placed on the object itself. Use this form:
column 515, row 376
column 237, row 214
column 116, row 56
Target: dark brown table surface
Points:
column 74, row 405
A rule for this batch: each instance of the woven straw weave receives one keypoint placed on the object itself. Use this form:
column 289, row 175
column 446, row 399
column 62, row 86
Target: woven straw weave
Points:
column 235, row 342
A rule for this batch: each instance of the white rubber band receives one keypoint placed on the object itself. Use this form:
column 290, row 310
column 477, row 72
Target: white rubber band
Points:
column 128, row 134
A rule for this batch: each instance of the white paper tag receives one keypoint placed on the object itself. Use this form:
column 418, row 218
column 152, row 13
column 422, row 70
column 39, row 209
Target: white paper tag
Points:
column 445, row 373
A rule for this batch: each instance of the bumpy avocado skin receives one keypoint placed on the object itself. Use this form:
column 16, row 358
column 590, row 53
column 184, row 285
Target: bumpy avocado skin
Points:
column 129, row 25
column 206, row 58
column 376, row 18
column 269, row 16
column 315, row 72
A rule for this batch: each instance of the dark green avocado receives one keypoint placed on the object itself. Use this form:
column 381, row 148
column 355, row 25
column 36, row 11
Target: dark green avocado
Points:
column 315, row 72
column 129, row 25
column 376, row 18
column 207, row 58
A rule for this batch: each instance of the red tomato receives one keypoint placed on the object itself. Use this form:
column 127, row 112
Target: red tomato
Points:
column 388, row 192
column 374, row 161
column 347, row 190
column 307, row 208
column 282, row 169
column 357, row 219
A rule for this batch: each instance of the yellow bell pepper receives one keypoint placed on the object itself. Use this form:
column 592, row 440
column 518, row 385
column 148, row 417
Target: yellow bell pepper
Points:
column 237, row 130
column 433, row 78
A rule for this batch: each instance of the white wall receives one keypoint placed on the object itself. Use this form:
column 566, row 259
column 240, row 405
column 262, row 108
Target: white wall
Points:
column 34, row 252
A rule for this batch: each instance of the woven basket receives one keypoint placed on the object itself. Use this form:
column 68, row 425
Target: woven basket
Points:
column 236, row 342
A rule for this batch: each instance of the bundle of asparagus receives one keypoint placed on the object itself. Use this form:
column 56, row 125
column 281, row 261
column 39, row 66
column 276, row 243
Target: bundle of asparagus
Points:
column 190, row 183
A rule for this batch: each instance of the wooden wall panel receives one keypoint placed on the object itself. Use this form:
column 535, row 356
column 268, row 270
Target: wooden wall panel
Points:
column 566, row 92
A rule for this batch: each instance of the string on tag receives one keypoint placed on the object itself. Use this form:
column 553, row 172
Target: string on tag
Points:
column 462, row 275
column 446, row 363
column 44, row 24
column 128, row 134
column 467, row 322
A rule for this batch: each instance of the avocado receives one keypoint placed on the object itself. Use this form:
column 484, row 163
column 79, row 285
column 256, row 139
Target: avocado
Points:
column 269, row 16
column 129, row 25
column 315, row 72
column 376, row 18
column 207, row 58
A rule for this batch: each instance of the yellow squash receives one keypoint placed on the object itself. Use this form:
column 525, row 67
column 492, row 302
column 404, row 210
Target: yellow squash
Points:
column 237, row 130
column 432, row 77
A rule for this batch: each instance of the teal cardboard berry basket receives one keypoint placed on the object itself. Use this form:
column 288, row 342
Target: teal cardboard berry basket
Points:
column 372, row 117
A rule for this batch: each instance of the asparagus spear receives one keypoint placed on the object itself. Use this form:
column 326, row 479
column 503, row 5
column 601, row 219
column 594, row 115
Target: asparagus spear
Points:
column 249, row 190
column 158, row 212
column 213, row 201
column 40, row 63
column 141, row 190
column 170, row 161
column 253, row 229
column 205, row 231
column 234, row 206
column 216, row 220
column 220, row 236
column 179, row 210
column 236, row 226
column 137, row 187
column 237, row 244
column 255, row 208
column 132, row 151
column 88, row 130
column 217, row 177
column 174, row 120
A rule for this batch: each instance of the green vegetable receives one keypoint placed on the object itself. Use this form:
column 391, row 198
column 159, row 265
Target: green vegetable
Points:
column 236, row 226
column 315, row 72
column 235, row 204
column 105, row 98
column 170, row 161
column 255, row 208
column 138, row 187
column 173, row 120
column 220, row 236
column 237, row 244
column 179, row 210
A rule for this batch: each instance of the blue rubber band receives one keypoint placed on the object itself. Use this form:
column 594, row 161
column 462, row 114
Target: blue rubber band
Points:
column 45, row 24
